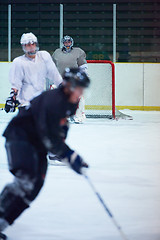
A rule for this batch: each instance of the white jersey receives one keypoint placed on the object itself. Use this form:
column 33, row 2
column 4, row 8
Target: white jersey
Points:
column 29, row 76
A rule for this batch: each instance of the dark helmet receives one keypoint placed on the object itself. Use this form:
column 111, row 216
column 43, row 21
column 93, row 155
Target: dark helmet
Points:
column 76, row 77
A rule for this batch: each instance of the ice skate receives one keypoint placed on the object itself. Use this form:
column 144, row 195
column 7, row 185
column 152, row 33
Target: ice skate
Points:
column 54, row 160
column 80, row 119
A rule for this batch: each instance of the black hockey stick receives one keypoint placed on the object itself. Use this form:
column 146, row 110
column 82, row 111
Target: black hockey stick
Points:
column 124, row 237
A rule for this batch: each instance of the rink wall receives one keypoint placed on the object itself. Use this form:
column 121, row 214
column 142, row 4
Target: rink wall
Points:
column 4, row 82
column 137, row 85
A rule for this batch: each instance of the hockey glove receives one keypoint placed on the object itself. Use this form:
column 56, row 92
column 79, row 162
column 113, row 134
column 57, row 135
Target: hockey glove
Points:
column 75, row 161
column 11, row 102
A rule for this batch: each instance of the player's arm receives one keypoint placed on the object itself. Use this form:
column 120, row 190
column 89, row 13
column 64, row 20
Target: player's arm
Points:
column 16, row 74
column 61, row 149
column 58, row 147
column 46, row 112
column 81, row 61
column 53, row 58
column 52, row 129
column 52, row 72
column 15, row 78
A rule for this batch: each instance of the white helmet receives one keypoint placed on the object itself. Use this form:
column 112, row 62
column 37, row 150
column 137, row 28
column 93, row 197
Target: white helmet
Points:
column 27, row 38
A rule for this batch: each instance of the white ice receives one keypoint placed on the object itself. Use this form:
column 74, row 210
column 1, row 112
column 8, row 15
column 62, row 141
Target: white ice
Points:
column 124, row 159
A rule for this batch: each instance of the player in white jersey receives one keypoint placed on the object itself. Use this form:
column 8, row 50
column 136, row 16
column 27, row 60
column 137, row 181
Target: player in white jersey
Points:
column 28, row 73
column 71, row 57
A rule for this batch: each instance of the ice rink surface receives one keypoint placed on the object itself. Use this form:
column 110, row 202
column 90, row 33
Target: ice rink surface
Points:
column 124, row 159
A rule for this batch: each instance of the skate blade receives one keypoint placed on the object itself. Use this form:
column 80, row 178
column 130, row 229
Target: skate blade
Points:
column 55, row 163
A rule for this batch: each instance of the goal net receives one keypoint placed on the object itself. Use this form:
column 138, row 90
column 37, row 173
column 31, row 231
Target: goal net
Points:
column 100, row 96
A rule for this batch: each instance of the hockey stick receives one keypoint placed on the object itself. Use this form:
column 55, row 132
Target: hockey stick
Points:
column 124, row 237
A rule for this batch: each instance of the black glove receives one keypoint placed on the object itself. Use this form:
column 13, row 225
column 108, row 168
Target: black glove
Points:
column 75, row 161
column 11, row 102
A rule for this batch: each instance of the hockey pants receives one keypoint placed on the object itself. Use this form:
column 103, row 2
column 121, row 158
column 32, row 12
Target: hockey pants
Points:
column 29, row 166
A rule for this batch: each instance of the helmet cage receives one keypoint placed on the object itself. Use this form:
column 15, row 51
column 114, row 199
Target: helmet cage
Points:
column 67, row 38
column 28, row 52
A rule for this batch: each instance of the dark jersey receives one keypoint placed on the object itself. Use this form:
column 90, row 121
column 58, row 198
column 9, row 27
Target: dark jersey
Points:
column 42, row 123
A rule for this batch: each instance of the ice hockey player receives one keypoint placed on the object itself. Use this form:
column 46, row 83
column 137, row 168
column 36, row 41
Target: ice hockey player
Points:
column 40, row 127
column 69, row 56
column 29, row 72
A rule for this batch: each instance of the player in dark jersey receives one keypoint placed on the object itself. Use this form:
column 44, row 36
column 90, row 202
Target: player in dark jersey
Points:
column 40, row 128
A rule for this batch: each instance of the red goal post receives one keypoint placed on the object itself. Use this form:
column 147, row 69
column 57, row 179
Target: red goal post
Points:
column 102, row 75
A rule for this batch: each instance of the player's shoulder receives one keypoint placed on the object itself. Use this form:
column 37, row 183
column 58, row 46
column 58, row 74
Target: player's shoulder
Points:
column 58, row 102
column 54, row 99
column 77, row 49
column 57, row 50
column 18, row 59
column 44, row 54
column 55, row 93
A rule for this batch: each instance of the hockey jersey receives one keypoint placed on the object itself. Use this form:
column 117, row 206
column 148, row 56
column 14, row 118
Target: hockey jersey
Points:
column 42, row 124
column 75, row 58
column 29, row 76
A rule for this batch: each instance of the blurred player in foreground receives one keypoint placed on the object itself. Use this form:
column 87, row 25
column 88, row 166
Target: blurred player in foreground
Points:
column 39, row 128
column 69, row 56
column 29, row 72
